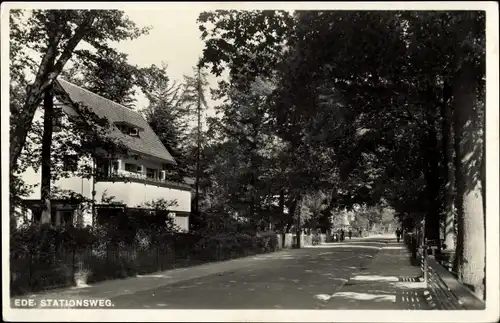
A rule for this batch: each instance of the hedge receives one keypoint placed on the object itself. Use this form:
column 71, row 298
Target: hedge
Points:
column 46, row 258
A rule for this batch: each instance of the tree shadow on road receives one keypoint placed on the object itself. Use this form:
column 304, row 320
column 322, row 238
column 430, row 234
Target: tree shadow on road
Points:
column 373, row 299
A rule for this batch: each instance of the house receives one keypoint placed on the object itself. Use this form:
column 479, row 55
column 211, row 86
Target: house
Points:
column 131, row 179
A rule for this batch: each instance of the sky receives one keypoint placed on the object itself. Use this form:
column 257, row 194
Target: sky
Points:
column 174, row 39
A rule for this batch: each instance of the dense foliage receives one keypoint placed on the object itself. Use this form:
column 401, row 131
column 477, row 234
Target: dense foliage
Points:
column 367, row 107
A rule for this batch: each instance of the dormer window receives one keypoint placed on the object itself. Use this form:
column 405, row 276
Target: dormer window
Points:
column 128, row 128
column 134, row 132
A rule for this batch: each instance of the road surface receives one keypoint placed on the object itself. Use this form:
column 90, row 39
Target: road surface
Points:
column 290, row 279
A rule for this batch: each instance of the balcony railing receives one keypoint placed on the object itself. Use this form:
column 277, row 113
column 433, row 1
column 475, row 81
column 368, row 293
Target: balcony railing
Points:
column 123, row 176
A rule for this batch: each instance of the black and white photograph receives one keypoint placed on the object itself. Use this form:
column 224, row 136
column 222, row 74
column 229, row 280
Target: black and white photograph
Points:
column 250, row 161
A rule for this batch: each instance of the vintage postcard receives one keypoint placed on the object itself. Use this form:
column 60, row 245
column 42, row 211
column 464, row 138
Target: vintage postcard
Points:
column 250, row 161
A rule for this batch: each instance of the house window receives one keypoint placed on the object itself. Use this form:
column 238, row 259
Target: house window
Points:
column 70, row 163
column 152, row 173
column 36, row 215
column 130, row 167
column 66, row 217
column 102, row 167
column 115, row 167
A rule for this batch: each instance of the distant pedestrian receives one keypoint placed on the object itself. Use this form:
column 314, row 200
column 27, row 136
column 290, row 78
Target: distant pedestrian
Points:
column 360, row 232
column 398, row 234
column 342, row 235
column 350, row 234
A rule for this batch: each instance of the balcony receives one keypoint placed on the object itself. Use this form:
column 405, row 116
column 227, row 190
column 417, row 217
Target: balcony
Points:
column 134, row 189
column 124, row 176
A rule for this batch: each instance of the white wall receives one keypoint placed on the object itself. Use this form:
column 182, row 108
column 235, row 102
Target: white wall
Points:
column 182, row 222
column 76, row 184
column 134, row 194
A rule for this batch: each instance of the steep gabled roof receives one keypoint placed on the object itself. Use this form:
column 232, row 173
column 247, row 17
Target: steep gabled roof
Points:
column 147, row 143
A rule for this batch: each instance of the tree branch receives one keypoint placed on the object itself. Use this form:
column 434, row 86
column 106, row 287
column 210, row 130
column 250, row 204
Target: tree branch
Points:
column 44, row 78
column 80, row 32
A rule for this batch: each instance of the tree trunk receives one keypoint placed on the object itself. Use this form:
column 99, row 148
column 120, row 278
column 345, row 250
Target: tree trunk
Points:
column 79, row 217
column 291, row 212
column 299, row 227
column 483, row 170
column 48, row 104
column 448, row 150
column 282, row 215
column 282, row 204
column 432, row 178
column 469, row 146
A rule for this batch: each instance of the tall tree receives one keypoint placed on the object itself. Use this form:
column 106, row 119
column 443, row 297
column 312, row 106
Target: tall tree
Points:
column 448, row 154
column 469, row 67
column 167, row 115
column 383, row 93
column 55, row 34
column 20, row 64
column 105, row 72
column 194, row 99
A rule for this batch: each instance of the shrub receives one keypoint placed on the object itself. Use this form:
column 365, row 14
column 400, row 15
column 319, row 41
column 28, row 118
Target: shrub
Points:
column 82, row 277
column 231, row 245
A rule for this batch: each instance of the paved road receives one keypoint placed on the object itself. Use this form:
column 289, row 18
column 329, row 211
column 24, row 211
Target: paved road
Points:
column 293, row 279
